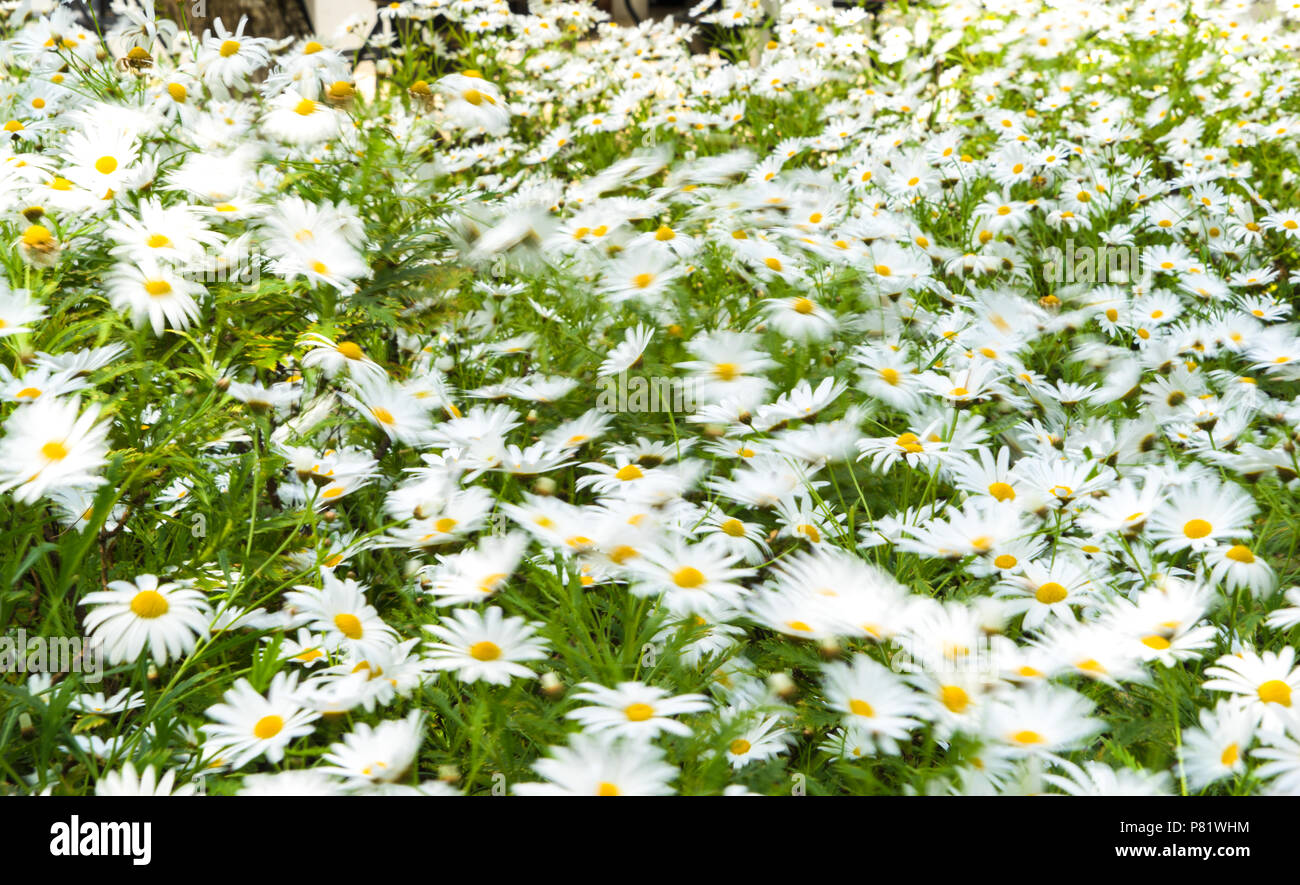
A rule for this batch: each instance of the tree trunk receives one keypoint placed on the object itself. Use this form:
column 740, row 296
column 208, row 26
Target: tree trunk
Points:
column 266, row 18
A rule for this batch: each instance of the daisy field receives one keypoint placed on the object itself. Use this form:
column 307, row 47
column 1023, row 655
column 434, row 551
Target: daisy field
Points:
column 772, row 398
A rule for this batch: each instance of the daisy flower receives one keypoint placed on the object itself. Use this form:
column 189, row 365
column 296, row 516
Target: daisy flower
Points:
column 474, row 574
column 633, row 709
column 602, row 765
column 1041, row 592
column 402, row 417
column 1099, row 779
column 487, row 646
column 298, row 120
column 764, row 738
column 696, row 578
column 50, row 445
column 1199, row 515
column 128, row 783
column 872, row 700
column 368, row 755
column 334, row 357
column 1217, row 748
column 341, row 613
column 167, row 618
column 628, row 352
column 1041, row 719
column 247, row 725
column 1262, row 683
column 18, row 311
column 1238, row 568
column 1283, row 769
column 1288, row 617
column 155, row 294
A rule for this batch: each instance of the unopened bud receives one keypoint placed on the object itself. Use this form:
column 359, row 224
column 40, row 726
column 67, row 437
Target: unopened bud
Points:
column 782, row 685
column 552, row 687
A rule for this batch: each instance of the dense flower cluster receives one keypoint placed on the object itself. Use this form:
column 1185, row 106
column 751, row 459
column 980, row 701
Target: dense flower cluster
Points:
column 971, row 466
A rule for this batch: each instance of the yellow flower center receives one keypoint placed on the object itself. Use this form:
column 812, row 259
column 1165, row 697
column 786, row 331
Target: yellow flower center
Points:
column 149, row 604
column 1275, row 691
column 1197, row 528
column 229, row 48
column 491, row 582
column 268, row 727
column 1240, row 553
column 37, row 235
column 739, row 747
column 688, row 577
column 1002, row 491
column 158, row 288
column 606, row 789
column 623, row 553
column 1028, row 738
column 629, row 472
column 1050, row 593
column 638, row 712
column 54, row 451
column 909, row 442
column 349, row 625
column 485, row 651
column 861, row 708
column 105, row 165
column 955, row 698
column 733, row 527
